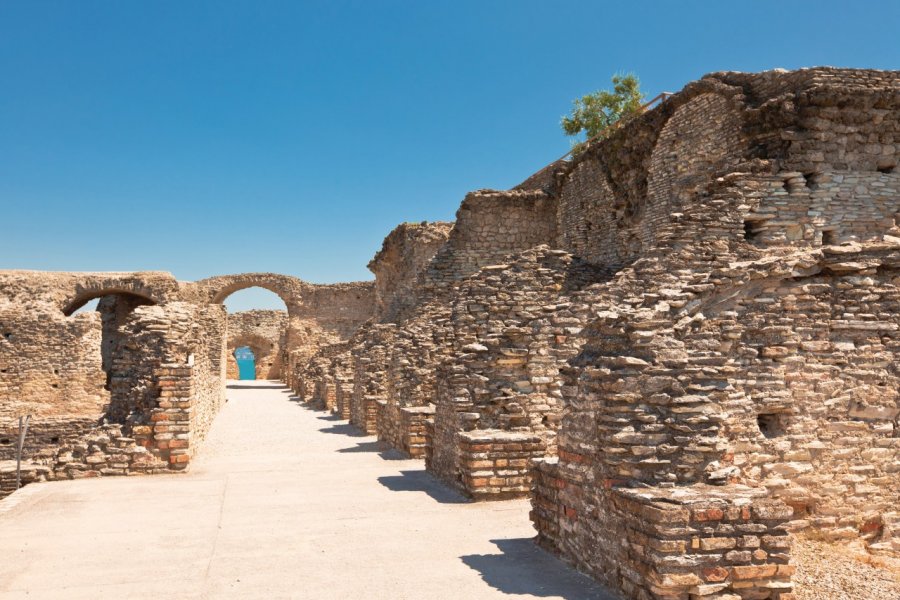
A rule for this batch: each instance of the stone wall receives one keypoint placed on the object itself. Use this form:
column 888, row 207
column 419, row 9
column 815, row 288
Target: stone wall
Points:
column 165, row 385
column 722, row 371
column 736, row 348
column 419, row 345
column 399, row 373
column 134, row 386
column 318, row 314
column 318, row 382
column 370, row 356
column 514, row 326
column 50, row 364
column 405, row 252
column 489, row 226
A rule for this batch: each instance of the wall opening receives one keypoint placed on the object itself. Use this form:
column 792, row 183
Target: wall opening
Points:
column 246, row 362
column 114, row 308
column 753, row 230
column 829, row 237
column 771, row 425
column 812, row 180
column 257, row 320
column 887, row 169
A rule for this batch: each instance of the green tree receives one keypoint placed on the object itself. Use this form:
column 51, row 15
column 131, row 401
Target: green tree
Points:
column 594, row 113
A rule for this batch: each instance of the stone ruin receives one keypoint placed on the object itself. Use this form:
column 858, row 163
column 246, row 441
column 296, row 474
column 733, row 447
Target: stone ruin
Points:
column 679, row 343
column 134, row 386
column 264, row 332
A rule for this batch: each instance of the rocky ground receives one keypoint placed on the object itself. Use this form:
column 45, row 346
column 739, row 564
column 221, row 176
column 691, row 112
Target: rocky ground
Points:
column 835, row 571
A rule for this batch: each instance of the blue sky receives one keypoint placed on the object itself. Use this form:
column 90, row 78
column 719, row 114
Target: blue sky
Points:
column 220, row 137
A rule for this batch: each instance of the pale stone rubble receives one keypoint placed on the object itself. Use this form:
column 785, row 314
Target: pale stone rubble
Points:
column 681, row 343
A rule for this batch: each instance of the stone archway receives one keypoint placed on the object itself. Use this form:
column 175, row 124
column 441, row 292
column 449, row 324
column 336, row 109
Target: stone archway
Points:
column 266, row 356
column 268, row 344
column 215, row 290
column 146, row 288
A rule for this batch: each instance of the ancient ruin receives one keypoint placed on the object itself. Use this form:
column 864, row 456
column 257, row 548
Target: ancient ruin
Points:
column 679, row 343
column 133, row 386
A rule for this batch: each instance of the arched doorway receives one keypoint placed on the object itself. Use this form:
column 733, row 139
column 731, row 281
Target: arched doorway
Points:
column 257, row 331
column 246, row 363
column 103, row 313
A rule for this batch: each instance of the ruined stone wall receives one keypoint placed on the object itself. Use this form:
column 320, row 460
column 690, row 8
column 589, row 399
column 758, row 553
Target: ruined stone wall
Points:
column 618, row 199
column 370, row 356
column 334, row 313
column 417, row 270
column 170, row 380
column 404, row 254
column 166, row 384
column 134, row 386
column 209, row 350
column 67, row 372
column 318, row 315
column 338, row 308
column 342, row 369
column 420, row 344
column 735, row 352
column 489, row 226
column 318, row 380
column 69, row 291
column 50, row 364
column 514, row 326
column 265, row 332
column 398, row 374
column 54, row 365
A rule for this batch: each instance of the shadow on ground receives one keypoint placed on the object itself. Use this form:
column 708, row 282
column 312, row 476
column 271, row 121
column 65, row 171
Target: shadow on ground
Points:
column 422, row 481
column 383, row 450
column 523, row 568
column 344, row 429
column 331, row 417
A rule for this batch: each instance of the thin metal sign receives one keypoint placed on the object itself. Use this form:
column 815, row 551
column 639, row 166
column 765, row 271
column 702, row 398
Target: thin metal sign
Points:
column 23, row 429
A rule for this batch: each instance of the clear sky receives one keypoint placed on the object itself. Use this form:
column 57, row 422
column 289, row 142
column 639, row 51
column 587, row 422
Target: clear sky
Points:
column 217, row 137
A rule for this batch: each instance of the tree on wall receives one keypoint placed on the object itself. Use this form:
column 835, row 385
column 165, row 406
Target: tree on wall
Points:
column 593, row 114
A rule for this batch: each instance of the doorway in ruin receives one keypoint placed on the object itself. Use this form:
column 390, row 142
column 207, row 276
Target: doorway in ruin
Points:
column 105, row 354
column 246, row 363
column 256, row 334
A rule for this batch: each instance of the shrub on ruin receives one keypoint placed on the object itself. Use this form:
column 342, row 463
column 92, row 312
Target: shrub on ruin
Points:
column 595, row 113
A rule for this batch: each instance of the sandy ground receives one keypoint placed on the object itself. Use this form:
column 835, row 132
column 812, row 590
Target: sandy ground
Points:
column 833, row 571
column 282, row 502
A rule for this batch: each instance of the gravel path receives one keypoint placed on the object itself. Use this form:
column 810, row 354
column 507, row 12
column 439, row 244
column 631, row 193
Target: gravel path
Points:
column 827, row 571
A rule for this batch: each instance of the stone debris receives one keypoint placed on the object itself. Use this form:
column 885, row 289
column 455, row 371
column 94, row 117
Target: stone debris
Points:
column 830, row 571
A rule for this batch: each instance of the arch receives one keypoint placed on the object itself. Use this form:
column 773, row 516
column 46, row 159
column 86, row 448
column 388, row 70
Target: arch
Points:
column 148, row 287
column 267, row 362
column 235, row 368
column 289, row 289
column 86, row 296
